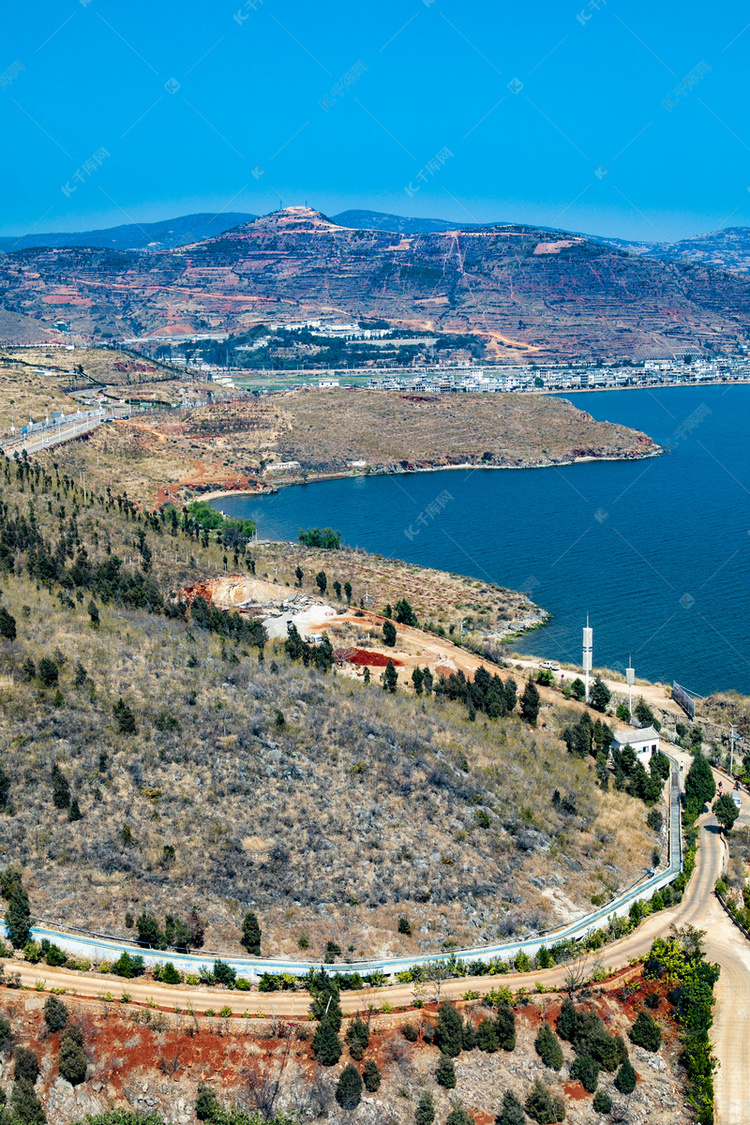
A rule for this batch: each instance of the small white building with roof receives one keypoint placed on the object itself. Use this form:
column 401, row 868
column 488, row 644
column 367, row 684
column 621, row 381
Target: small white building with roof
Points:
column 645, row 742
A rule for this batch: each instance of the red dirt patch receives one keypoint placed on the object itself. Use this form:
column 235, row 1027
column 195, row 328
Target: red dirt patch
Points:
column 574, row 1091
column 373, row 659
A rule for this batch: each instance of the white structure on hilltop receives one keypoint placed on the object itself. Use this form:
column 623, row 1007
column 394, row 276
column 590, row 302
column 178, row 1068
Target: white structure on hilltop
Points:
column 645, row 742
column 588, row 654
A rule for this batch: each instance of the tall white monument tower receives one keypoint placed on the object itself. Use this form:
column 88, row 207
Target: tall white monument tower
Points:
column 588, row 647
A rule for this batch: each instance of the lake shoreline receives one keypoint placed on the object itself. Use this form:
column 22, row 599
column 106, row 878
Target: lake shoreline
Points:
column 468, row 466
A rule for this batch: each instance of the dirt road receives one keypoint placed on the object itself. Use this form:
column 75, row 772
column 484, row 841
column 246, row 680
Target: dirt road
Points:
column 699, row 907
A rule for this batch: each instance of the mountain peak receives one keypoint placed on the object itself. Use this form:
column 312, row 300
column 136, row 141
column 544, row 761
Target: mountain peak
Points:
column 296, row 218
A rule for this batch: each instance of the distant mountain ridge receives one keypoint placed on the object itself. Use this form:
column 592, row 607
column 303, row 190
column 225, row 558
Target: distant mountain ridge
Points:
column 163, row 235
column 727, row 249
column 530, row 293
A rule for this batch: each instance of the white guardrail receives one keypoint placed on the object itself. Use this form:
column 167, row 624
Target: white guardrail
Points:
column 100, row 947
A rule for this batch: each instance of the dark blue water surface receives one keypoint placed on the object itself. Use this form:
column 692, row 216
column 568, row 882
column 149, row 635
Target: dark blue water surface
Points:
column 656, row 551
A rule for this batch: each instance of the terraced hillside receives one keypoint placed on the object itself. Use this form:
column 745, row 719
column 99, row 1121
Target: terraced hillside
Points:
column 531, row 293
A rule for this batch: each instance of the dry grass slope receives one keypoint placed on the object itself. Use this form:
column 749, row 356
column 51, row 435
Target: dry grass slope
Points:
column 329, row 806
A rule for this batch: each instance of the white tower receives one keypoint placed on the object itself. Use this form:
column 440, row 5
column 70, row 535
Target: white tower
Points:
column 588, row 646
column 630, row 680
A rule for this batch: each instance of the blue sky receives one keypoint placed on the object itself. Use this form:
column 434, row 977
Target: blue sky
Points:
column 619, row 118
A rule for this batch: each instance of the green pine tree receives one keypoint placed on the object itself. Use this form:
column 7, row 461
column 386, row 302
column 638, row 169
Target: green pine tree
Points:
column 372, row 1076
column 349, row 1088
column 511, row 1112
column 505, row 1025
column 543, row 1106
column 449, row 1031
column 251, row 934
column 18, row 920
column 445, row 1075
column 625, row 1079
column 390, row 678
column 530, row 703
column 425, row 1113
column 600, row 694
column 700, row 786
column 548, row 1047
column 326, row 1045
column 71, row 1060
column 27, row 1109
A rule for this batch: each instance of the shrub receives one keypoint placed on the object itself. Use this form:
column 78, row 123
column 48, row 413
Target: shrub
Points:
column 127, row 966
column 586, row 1070
column 170, row 975
column 25, row 1065
column 47, row 672
column 60, row 788
column 459, row 1116
column 425, row 1113
column 544, row 1107
column 7, row 625
column 404, row 926
column 206, row 1103
column 224, row 974
column 410, row 1032
column 511, row 1112
column 645, row 1032
column 372, row 1076
column 5, row 1033
column 150, row 932
column 548, row 1047
column 54, row 956
column 324, row 537
column 602, row 1102
column 449, row 1030
column 55, row 1014
column 33, row 952
column 72, row 1060
column 445, row 1075
column 349, row 1088
column 625, row 1079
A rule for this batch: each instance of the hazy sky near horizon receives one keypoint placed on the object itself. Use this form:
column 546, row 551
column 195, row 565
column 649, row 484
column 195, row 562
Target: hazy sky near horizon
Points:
column 611, row 117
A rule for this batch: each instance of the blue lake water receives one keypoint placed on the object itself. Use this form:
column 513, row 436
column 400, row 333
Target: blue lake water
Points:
column 657, row 552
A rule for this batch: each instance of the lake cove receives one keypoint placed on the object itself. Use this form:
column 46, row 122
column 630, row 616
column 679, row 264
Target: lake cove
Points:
column 657, row 552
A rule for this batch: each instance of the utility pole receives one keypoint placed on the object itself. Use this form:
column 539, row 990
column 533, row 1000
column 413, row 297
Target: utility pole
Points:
column 731, row 755
column 630, row 679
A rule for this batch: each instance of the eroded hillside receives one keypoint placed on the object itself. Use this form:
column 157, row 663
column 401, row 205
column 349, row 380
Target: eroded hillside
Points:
column 534, row 293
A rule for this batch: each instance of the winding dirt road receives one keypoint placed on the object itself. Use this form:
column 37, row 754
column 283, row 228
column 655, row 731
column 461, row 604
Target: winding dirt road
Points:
column 724, row 944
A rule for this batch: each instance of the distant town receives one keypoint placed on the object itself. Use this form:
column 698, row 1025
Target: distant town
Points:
column 468, row 375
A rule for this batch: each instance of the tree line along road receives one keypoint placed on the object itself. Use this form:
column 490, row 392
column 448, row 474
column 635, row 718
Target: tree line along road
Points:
column 699, row 907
